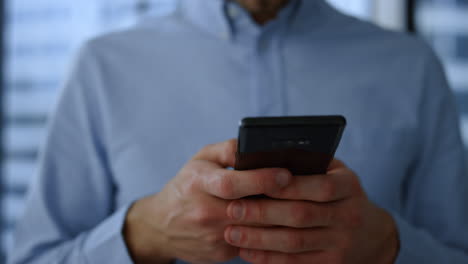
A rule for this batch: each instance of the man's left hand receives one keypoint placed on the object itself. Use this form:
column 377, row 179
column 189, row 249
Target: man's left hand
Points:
column 316, row 219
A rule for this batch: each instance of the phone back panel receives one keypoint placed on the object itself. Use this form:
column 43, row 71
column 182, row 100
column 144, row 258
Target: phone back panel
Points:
column 304, row 145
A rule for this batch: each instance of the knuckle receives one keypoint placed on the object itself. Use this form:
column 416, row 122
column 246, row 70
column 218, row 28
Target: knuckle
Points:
column 213, row 239
column 295, row 242
column 202, row 216
column 194, row 173
column 189, row 187
column 205, row 149
column 300, row 215
column 194, row 168
column 225, row 185
column 208, row 147
column 328, row 190
column 226, row 156
column 230, row 148
column 259, row 183
column 260, row 214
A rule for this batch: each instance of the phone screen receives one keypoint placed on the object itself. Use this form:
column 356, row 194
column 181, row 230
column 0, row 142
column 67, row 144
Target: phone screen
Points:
column 304, row 144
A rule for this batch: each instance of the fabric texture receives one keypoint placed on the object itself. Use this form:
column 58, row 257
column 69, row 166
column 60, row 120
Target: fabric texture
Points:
column 140, row 102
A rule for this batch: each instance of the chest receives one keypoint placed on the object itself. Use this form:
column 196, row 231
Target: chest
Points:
column 160, row 125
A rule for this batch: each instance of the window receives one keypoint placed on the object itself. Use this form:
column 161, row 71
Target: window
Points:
column 41, row 38
column 359, row 8
column 444, row 24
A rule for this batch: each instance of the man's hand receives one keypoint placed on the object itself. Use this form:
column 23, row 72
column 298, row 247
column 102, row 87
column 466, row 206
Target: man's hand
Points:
column 319, row 219
column 187, row 219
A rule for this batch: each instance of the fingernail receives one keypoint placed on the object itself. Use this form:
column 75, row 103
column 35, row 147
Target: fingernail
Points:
column 235, row 235
column 283, row 179
column 237, row 210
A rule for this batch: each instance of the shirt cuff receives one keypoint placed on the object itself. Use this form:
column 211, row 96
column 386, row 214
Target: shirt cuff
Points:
column 105, row 243
column 416, row 245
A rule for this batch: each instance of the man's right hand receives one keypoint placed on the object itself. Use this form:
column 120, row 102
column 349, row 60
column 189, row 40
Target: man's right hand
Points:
column 187, row 219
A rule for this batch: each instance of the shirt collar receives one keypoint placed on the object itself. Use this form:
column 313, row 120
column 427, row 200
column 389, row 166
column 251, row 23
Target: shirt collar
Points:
column 208, row 15
column 242, row 23
column 219, row 18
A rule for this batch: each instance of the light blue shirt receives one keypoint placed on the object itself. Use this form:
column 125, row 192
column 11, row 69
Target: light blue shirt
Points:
column 139, row 103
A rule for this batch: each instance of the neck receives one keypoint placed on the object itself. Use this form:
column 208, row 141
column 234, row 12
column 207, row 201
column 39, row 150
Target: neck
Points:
column 263, row 11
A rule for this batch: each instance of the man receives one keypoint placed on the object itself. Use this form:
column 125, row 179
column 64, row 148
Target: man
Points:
column 139, row 104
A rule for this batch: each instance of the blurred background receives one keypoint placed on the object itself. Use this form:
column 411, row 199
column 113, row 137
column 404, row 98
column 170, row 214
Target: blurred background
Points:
column 40, row 38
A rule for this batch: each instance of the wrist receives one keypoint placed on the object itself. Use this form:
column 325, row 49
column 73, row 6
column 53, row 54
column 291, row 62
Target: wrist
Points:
column 143, row 244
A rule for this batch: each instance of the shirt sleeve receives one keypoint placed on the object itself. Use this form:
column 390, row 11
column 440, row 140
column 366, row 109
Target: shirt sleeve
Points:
column 433, row 226
column 71, row 215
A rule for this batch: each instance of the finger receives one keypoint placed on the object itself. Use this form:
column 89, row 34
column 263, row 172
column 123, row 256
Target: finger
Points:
column 336, row 164
column 231, row 184
column 259, row 256
column 297, row 214
column 223, row 154
column 337, row 185
column 286, row 240
column 207, row 213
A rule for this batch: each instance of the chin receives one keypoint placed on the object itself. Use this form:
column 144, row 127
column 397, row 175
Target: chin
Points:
column 261, row 6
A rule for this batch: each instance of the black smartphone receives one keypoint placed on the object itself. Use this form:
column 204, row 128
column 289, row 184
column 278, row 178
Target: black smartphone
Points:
column 303, row 144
